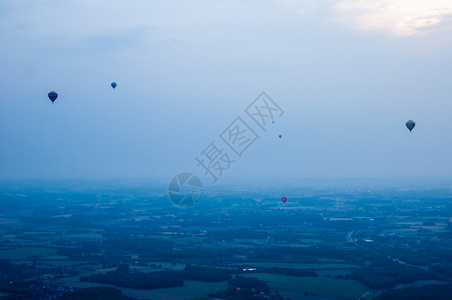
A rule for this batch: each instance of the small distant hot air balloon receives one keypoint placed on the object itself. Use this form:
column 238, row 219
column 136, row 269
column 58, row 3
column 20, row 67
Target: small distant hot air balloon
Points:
column 280, row 136
column 284, row 199
column 52, row 96
column 113, row 84
column 410, row 125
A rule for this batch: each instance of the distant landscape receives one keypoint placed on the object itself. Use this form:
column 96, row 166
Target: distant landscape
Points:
column 113, row 240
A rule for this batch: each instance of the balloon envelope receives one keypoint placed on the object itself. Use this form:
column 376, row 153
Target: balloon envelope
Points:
column 284, row 199
column 52, row 96
column 410, row 124
column 113, row 84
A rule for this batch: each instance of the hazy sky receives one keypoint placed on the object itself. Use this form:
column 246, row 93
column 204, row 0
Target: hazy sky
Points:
column 347, row 73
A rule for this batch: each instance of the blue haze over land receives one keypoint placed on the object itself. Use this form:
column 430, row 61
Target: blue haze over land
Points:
column 347, row 75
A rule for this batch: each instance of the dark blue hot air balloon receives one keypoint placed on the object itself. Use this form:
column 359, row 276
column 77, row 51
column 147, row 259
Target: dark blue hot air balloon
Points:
column 52, row 96
column 410, row 124
column 113, row 84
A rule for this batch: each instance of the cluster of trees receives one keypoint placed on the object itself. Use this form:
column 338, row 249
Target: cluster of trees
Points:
column 119, row 246
column 247, row 288
column 305, row 254
column 277, row 270
column 290, row 272
column 152, row 280
column 433, row 292
column 425, row 253
column 161, row 279
column 391, row 275
column 209, row 274
column 13, row 272
column 97, row 293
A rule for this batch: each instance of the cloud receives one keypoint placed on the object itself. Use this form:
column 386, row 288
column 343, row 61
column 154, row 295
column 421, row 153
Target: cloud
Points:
column 399, row 17
column 308, row 6
column 91, row 25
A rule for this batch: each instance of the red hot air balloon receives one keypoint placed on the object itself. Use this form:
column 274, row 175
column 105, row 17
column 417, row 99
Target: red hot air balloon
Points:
column 53, row 96
column 284, row 199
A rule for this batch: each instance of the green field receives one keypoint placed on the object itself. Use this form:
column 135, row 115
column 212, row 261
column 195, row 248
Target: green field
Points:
column 302, row 266
column 372, row 295
column 166, row 265
column 311, row 241
column 148, row 268
column 332, row 260
column 188, row 240
column 289, row 286
column 195, row 289
column 25, row 252
column 4, row 294
column 69, row 280
column 190, row 290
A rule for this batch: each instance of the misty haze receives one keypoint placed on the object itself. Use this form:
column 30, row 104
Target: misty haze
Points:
column 273, row 149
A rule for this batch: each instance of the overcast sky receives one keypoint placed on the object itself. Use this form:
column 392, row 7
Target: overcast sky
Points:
column 347, row 73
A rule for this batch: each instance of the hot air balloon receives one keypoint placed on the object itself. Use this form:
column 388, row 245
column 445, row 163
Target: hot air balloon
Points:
column 280, row 136
column 113, row 84
column 410, row 125
column 52, row 96
column 284, row 199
